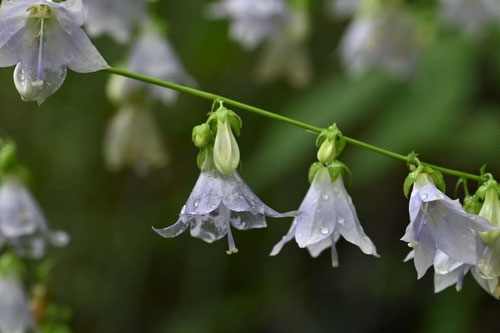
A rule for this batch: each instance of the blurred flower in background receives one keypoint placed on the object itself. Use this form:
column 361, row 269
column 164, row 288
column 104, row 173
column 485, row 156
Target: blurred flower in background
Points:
column 470, row 15
column 344, row 8
column 116, row 18
column 252, row 21
column 133, row 139
column 381, row 37
column 22, row 224
column 15, row 314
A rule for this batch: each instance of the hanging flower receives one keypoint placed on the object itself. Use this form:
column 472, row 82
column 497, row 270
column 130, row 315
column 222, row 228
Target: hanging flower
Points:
column 133, row 139
column 42, row 38
column 384, row 38
column 217, row 203
column 15, row 315
column 220, row 199
column 470, row 15
column 327, row 213
column 22, row 224
column 440, row 232
column 116, row 18
column 151, row 55
column 252, row 21
column 285, row 54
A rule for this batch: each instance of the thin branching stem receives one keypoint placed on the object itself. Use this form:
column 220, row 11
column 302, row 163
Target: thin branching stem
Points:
column 271, row 115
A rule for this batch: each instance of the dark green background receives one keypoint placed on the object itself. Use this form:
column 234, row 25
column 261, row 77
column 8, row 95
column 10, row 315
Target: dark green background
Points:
column 117, row 275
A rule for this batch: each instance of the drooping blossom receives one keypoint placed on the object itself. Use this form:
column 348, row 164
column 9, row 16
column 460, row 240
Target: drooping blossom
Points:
column 327, row 213
column 470, row 15
column 217, row 203
column 251, row 21
column 133, row 139
column 116, row 18
column 384, row 39
column 151, row 55
column 42, row 39
column 441, row 233
column 285, row 54
column 15, row 314
column 22, row 224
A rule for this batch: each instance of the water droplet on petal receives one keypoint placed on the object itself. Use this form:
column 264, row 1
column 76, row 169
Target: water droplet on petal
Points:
column 441, row 196
column 183, row 210
column 323, row 230
column 424, row 196
column 299, row 235
column 196, row 202
column 340, row 220
column 325, row 196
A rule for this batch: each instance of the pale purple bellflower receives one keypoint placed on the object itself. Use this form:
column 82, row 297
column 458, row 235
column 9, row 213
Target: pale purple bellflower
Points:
column 43, row 38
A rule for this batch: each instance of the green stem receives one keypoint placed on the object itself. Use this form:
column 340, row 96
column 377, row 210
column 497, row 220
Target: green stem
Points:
column 264, row 113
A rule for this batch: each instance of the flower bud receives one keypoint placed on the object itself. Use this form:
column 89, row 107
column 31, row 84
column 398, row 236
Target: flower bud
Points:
column 327, row 152
column 201, row 135
column 226, row 151
column 491, row 211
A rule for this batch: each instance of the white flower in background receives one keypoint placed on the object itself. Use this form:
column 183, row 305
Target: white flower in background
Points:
column 151, row 55
column 471, row 15
column 344, row 8
column 15, row 314
column 285, row 54
column 252, row 21
column 42, row 38
column 134, row 140
column 441, row 233
column 385, row 39
column 22, row 224
column 217, row 203
column 327, row 213
column 116, row 18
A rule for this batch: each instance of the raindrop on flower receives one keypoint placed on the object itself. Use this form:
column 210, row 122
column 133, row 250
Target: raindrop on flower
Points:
column 424, row 196
column 325, row 196
column 323, row 230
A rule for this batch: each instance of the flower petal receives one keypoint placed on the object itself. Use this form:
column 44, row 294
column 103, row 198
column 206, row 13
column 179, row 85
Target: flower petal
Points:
column 288, row 237
column 443, row 264
column 174, row 230
column 425, row 252
column 210, row 227
column 247, row 220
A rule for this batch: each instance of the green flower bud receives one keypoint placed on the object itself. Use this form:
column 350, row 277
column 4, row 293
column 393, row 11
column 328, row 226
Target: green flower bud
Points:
column 327, row 152
column 491, row 211
column 226, row 150
column 201, row 135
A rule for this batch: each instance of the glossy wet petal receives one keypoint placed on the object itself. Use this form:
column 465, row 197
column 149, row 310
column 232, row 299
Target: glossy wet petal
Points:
column 288, row 237
column 425, row 251
column 212, row 226
column 174, row 230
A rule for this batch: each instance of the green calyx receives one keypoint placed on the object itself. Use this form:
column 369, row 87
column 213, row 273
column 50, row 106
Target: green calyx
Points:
column 40, row 11
column 421, row 172
column 336, row 169
column 223, row 114
column 331, row 143
column 202, row 135
column 487, row 198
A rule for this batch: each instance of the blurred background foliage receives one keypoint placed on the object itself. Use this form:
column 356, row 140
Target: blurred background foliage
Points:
column 117, row 275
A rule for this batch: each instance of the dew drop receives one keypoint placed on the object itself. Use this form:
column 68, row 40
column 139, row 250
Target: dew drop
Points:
column 299, row 235
column 424, row 196
column 196, row 202
column 325, row 196
column 340, row 220
column 323, row 230
column 441, row 196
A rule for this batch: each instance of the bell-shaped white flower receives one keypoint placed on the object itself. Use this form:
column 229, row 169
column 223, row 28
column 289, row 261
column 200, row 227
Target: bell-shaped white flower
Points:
column 43, row 38
column 15, row 314
column 217, row 203
column 252, row 21
column 327, row 213
column 385, row 39
column 439, row 225
column 471, row 15
column 133, row 140
column 22, row 224
column 116, row 18
column 151, row 55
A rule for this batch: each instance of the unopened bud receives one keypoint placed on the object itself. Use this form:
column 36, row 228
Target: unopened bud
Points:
column 201, row 135
column 226, row 150
column 491, row 211
column 327, row 152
